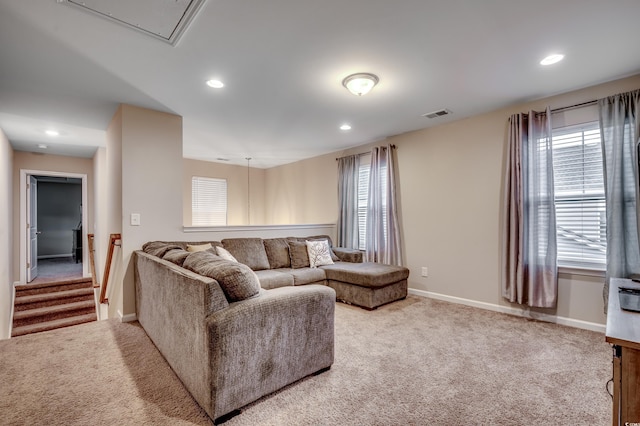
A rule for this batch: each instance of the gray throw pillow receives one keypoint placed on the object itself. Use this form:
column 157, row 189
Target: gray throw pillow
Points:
column 177, row 256
column 238, row 281
column 298, row 254
column 277, row 252
column 158, row 248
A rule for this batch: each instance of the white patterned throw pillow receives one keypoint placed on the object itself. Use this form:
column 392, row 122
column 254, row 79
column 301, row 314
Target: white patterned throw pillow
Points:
column 319, row 253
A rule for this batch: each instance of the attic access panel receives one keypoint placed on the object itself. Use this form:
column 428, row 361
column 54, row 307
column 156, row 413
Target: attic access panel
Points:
column 163, row 19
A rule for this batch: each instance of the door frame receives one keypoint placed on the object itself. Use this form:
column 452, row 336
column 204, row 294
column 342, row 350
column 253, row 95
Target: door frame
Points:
column 24, row 234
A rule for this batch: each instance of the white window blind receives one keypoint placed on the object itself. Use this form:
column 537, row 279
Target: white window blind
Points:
column 579, row 197
column 363, row 196
column 363, row 200
column 208, row 201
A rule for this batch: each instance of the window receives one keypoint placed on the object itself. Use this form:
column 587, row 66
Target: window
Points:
column 363, row 198
column 208, row 201
column 579, row 196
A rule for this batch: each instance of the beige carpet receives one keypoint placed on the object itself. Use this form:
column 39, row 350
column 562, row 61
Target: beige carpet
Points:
column 418, row 361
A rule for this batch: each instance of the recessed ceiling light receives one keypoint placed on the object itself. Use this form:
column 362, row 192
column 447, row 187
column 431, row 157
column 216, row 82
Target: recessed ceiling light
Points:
column 216, row 84
column 42, row 146
column 52, row 132
column 345, row 127
column 552, row 59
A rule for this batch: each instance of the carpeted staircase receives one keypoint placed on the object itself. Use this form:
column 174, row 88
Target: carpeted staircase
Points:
column 47, row 306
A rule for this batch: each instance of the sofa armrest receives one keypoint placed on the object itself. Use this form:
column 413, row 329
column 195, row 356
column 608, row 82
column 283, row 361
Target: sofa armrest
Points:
column 348, row 255
column 262, row 344
column 172, row 305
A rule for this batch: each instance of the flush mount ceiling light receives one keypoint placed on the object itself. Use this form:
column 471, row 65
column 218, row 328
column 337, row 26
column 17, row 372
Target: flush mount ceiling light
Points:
column 216, row 84
column 52, row 132
column 361, row 83
column 42, row 146
column 345, row 126
column 552, row 59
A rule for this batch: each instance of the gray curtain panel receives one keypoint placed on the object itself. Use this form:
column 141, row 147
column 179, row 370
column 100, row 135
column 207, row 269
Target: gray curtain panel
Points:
column 620, row 129
column 348, row 232
column 529, row 251
column 383, row 229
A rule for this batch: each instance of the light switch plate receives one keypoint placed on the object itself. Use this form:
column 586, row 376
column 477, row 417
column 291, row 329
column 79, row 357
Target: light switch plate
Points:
column 135, row 219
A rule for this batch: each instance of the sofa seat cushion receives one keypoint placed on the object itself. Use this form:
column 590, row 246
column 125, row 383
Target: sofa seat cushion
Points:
column 270, row 278
column 277, row 252
column 238, row 281
column 304, row 276
column 249, row 251
column 366, row 274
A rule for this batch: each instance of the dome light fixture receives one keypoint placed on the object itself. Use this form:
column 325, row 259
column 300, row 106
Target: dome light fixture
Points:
column 52, row 133
column 552, row 59
column 216, row 84
column 360, row 83
column 345, row 126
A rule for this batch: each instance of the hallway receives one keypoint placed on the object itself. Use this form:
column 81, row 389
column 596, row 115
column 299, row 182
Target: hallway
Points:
column 57, row 269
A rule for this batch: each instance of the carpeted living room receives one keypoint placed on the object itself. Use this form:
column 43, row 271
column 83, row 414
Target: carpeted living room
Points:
column 469, row 366
column 353, row 212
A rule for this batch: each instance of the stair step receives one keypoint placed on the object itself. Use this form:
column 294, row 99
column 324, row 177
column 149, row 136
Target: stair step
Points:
column 49, row 297
column 53, row 310
column 50, row 325
column 51, row 287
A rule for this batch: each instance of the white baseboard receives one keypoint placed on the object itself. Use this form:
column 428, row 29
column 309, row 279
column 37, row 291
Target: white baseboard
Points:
column 127, row 318
column 525, row 313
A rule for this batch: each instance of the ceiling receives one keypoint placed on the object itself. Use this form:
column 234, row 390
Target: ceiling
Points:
column 283, row 61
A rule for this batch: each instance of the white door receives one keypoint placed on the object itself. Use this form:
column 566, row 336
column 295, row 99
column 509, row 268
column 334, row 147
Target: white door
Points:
column 32, row 225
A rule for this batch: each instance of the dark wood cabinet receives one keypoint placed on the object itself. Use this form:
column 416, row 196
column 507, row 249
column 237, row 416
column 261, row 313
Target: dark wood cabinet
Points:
column 623, row 332
column 77, row 245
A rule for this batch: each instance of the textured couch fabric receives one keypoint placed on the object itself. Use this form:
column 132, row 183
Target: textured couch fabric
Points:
column 236, row 331
column 230, row 354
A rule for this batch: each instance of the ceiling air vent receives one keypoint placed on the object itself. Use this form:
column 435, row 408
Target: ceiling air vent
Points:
column 436, row 114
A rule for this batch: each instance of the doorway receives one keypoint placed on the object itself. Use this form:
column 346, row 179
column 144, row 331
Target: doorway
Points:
column 53, row 213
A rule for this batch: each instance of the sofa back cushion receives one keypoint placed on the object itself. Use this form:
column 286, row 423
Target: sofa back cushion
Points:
column 237, row 281
column 277, row 252
column 249, row 251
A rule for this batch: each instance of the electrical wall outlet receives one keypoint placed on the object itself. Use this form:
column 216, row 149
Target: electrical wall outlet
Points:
column 135, row 219
column 425, row 271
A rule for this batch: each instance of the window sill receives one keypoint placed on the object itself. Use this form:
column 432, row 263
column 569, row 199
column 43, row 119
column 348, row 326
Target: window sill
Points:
column 588, row 272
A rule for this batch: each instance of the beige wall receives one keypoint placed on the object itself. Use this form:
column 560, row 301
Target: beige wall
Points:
column 237, row 202
column 6, row 235
column 46, row 163
column 100, row 216
column 113, row 213
column 302, row 192
column 450, row 182
column 151, row 186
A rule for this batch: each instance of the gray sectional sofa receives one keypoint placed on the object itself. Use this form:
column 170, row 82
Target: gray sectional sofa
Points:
column 234, row 330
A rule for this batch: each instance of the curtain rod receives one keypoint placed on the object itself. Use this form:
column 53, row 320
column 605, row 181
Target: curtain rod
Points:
column 363, row 153
column 580, row 105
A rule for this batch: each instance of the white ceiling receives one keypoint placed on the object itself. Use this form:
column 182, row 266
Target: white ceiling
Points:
column 283, row 61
